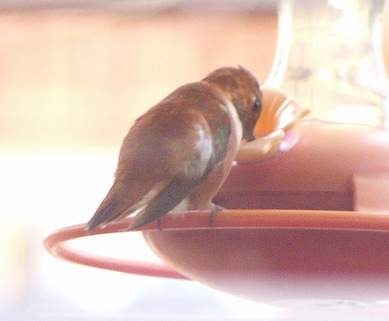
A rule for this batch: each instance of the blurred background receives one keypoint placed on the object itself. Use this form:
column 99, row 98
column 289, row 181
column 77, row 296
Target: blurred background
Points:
column 74, row 75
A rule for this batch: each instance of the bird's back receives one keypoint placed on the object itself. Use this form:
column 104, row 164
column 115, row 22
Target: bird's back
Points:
column 175, row 142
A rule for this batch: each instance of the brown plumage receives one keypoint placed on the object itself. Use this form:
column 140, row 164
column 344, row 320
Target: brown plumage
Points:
column 177, row 155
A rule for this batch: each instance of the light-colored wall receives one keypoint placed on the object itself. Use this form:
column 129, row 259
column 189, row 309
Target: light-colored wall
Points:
column 75, row 80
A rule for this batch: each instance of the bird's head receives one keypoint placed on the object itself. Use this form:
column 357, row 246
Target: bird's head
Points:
column 241, row 88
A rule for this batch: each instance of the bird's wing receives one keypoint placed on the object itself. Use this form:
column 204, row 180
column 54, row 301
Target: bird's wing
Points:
column 167, row 199
column 160, row 163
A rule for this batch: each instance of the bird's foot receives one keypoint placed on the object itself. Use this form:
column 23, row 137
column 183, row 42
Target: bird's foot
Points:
column 216, row 209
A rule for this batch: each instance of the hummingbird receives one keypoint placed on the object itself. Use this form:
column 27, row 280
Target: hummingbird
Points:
column 177, row 155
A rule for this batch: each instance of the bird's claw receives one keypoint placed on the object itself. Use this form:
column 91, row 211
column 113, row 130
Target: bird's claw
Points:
column 214, row 211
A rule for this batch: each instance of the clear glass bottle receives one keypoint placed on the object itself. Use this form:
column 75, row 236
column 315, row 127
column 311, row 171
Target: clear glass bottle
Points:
column 329, row 56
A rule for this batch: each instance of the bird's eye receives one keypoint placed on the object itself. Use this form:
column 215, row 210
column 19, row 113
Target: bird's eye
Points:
column 257, row 105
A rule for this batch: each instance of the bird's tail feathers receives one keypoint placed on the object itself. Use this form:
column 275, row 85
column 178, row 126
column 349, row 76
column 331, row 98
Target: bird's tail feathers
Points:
column 102, row 216
column 112, row 208
column 121, row 202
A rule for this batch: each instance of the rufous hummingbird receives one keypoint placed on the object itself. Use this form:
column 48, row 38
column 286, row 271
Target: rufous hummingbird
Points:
column 177, row 155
